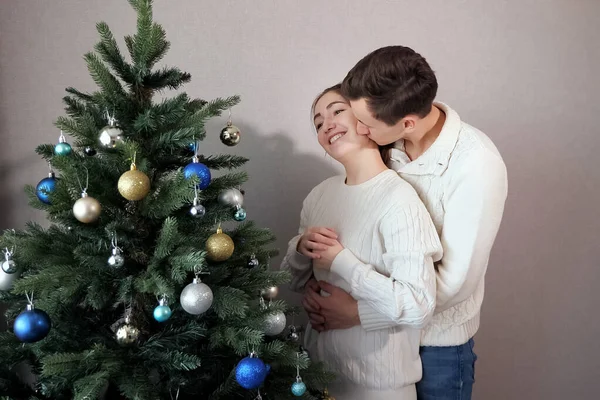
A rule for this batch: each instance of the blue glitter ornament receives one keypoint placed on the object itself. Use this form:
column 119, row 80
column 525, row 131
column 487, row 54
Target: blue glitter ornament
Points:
column 196, row 168
column 251, row 372
column 298, row 387
column 31, row 325
column 45, row 187
column 162, row 312
column 62, row 148
column 240, row 214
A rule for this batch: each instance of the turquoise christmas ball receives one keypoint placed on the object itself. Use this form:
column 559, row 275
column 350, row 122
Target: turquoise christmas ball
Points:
column 298, row 388
column 240, row 214
column 62, row 149
column 162, row 313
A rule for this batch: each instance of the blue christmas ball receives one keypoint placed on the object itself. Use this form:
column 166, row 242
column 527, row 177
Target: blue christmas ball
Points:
column 62, row 149
column 162, row 313
column 201, row 171
column 192, row 147
column 32, row 325
column 44, row 188
column 251, row 372
column 240, row 214
column 298, row 388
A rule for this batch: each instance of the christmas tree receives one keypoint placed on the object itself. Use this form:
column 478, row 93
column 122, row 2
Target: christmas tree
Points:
column 148, row 282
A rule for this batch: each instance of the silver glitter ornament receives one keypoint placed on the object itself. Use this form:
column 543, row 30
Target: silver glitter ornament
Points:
column 116, row 259
column 230, row 135
column 253, row 262
column 196, row 298
column 127, row 333
column 293, row 335
column 111, row 135
column 197, row 210
column 9, row 266
column 231, row 197
column 274, row 323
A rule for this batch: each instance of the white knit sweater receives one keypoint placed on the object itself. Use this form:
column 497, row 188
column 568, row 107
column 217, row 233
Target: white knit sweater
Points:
column 462, row 180
column 387, row 265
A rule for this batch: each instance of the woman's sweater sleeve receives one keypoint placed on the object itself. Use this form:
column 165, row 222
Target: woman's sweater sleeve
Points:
column 408, row 295
column 298, row 264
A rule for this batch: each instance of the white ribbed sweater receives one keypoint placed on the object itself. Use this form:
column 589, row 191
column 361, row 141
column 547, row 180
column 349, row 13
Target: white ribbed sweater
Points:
column 462, row 181
column 390, row 245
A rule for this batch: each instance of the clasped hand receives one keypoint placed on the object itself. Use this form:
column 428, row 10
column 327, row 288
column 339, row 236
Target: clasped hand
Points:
column 321, row 245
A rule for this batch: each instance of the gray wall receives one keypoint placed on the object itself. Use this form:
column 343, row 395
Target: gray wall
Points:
column 522, row 71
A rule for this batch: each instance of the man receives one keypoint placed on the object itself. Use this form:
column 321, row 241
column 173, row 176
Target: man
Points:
column 460, row 176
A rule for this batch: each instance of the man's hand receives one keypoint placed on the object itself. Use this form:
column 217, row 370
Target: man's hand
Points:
column 312, row 308
column 327, row 256
column 339, row 310
column 316, row 238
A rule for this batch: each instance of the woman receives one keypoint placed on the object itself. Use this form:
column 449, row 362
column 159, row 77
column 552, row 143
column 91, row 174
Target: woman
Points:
column 381, row 249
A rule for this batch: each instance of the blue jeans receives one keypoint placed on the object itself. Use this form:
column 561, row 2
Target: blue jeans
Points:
column 448, row 372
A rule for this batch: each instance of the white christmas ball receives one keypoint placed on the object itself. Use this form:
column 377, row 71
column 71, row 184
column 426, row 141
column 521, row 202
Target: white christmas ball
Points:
column 275, row 323
column 231, row 197
column 196, row 297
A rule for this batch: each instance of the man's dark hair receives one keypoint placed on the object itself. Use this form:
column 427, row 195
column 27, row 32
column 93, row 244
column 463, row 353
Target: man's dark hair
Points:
column 395, row 81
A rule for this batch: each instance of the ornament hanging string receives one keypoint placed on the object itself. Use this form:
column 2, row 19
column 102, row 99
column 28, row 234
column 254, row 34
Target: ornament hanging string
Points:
column 259, row 397
column 111, row 118
column 62, row 138
column 29, row 299
column 87, row 181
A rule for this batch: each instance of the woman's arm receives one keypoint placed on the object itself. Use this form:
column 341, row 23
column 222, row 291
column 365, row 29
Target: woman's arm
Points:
column 408, row 295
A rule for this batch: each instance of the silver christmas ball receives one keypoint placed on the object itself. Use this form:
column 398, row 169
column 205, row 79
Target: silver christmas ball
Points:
column 230, row 135
column 293, row 335
column 270, row 293
column 197, row 211
column 7, row 280
column 275, row 323
column 116, row 259
column 231, row 197
column 86, row 209
column 127, row 334
column 111, row 136
column 196, row 297
column 253, row 262
column 9, row 266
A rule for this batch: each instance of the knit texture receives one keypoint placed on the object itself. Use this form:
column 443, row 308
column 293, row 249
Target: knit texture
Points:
column 462, row 180
column 391, row 245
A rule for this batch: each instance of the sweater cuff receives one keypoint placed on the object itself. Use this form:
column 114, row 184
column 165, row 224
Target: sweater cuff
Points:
column 370, row 319
column 296, row 257
column 344, row 265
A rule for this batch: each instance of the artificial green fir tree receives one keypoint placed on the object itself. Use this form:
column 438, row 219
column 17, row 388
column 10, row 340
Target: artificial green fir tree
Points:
column 135, row 217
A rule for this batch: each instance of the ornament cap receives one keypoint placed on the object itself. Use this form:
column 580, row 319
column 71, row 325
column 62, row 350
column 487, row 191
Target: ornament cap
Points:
column 30, row 307
column 84, row 195
column 162, row 302
column 195, row 159
column 196, row 281
column 219, row 230
column 133, row 167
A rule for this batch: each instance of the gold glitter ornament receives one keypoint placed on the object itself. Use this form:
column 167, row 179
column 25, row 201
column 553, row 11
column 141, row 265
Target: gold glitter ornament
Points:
column 133, row 184
column 219, row 246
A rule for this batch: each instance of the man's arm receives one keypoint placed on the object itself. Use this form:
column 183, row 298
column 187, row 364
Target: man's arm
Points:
column 474, row 204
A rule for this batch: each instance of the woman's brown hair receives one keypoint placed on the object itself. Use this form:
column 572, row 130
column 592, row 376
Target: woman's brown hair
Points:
column 385, row 151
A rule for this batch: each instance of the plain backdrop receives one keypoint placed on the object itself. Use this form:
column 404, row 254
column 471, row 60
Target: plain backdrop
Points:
column 523, row 71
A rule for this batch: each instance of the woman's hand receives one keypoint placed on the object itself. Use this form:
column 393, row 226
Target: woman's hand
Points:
column 327, row 255
column 315, row 239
